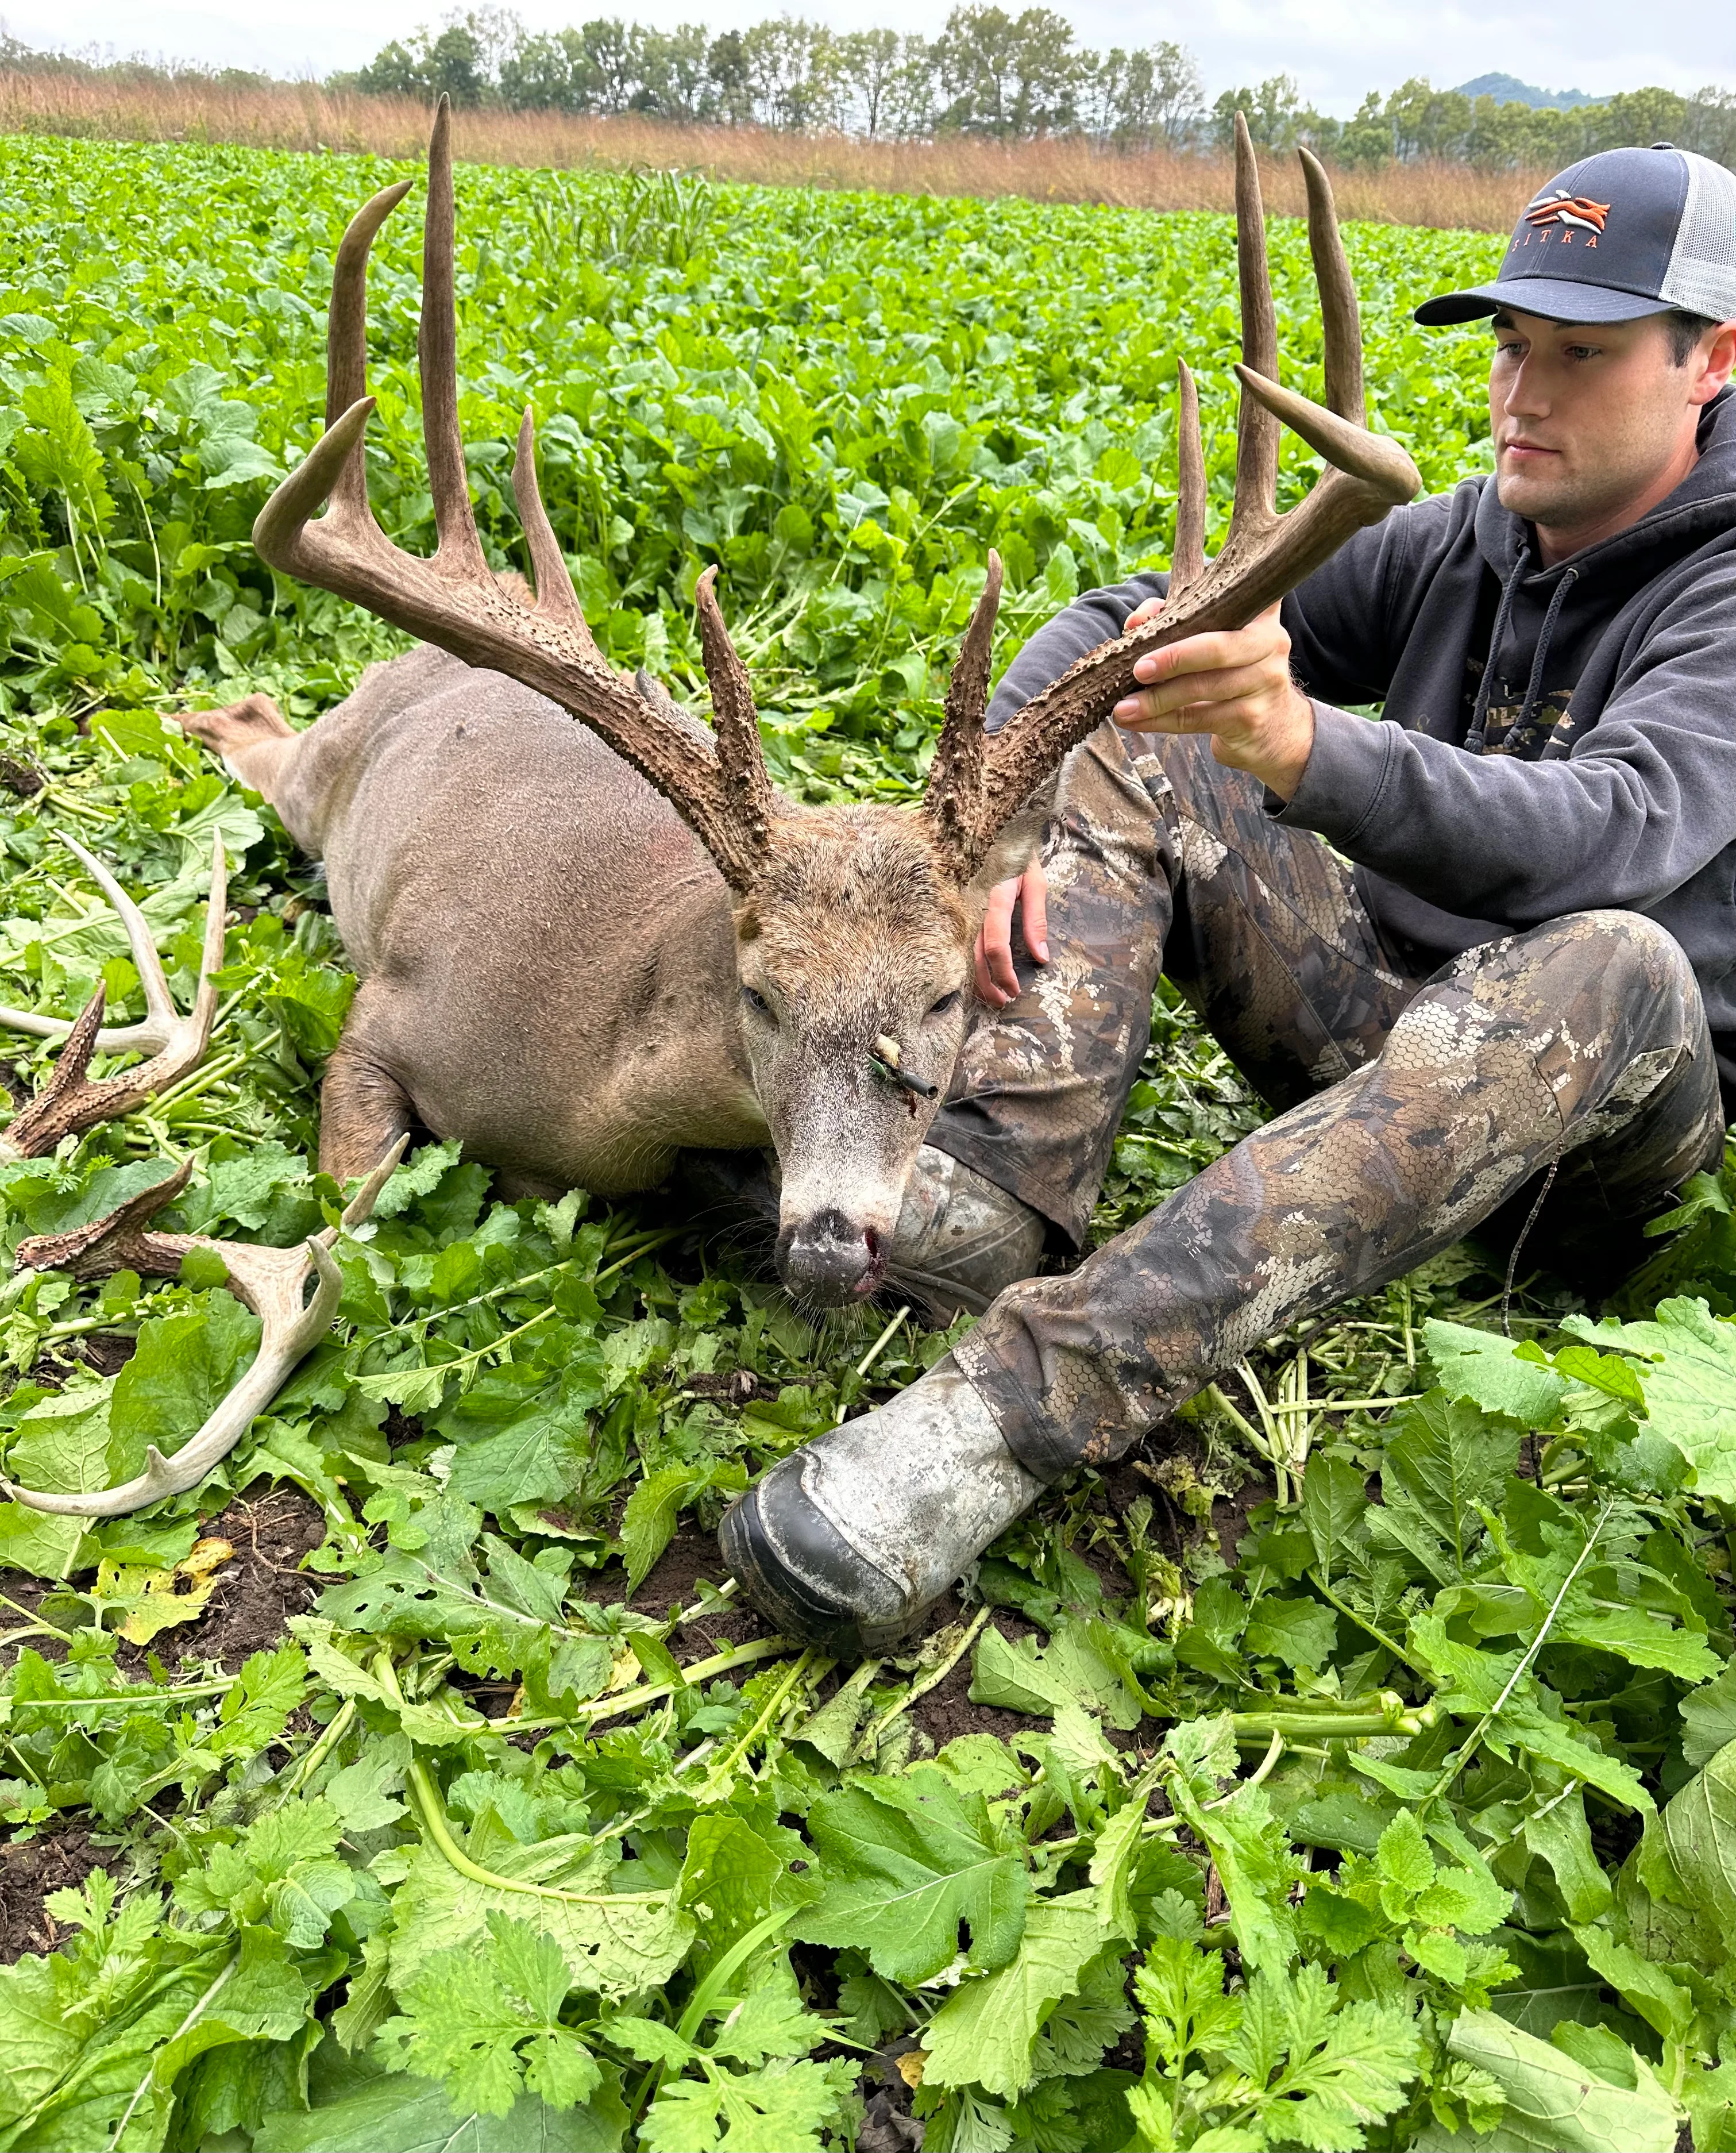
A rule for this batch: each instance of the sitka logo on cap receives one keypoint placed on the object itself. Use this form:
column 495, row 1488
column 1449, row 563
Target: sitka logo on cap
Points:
column 1575, row 212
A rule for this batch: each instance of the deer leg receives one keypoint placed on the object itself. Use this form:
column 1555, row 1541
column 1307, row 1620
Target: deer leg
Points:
column 252, row 736
column 363, row 1110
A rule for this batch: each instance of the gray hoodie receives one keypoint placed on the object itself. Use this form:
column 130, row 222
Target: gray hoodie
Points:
column 1592, row 763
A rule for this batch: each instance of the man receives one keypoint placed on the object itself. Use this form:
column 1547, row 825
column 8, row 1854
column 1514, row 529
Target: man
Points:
column 1519, row 999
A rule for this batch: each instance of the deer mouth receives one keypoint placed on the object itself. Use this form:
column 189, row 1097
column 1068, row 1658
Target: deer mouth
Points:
column 874, row 1277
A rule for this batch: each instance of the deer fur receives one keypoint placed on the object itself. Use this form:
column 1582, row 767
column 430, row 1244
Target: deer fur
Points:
column 554, row 972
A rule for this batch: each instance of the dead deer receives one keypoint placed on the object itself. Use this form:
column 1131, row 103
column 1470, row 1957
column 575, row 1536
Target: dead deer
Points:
column 584, row 948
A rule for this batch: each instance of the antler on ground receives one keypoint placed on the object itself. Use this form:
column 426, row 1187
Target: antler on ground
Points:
column 69, row 1102
column 1265, row 554
column 270, row 1281
column 454, row 599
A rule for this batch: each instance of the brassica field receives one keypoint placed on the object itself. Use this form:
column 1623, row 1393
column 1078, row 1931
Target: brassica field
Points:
column 1353, row 1766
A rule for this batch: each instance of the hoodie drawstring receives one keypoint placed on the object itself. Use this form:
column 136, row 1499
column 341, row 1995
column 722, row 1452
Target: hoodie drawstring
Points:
column 1545, row 635
column 1503, row 613
column 1534, row 686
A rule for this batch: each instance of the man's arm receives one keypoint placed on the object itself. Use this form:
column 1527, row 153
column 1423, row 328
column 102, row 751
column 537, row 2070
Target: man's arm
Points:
column 1645, row 800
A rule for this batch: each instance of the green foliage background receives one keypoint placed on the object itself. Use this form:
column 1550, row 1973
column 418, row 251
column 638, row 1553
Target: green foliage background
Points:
column 1393, row 1823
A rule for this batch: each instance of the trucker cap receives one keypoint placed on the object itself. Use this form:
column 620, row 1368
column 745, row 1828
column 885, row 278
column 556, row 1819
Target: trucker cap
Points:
column 1624, row 233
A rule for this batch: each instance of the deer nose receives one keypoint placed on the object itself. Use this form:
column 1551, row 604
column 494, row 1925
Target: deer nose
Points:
column 829, row 1259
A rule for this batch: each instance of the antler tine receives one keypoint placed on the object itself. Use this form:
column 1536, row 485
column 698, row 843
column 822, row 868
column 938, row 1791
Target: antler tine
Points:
column 1256, row 440
column 741, row 758
column 68, row 1103
column 347, row 342
column 955, row 777
column 151, row 1034
column 556, row 597
column 1187, row 557
column 270, row 1281
column 459, row 548
column 1341, row 319
column 1265, row 555
column 455, row 601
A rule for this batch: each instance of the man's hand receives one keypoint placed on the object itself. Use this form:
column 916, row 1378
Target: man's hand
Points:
column 1234, row 684
column 996, row 981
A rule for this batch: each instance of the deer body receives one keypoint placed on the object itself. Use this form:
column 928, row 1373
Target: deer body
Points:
column 546, row 951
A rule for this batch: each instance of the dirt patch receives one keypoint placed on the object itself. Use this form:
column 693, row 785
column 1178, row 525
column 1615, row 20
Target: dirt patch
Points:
column 29, row 1871
column 26, row 1593
column 948, row 1712
column 674, row 1582
column 263, row 1587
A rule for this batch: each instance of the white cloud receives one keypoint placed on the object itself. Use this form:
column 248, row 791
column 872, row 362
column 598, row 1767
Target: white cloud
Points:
column 1335, row 48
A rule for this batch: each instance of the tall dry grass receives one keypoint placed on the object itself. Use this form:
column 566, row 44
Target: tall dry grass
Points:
column 303, row 116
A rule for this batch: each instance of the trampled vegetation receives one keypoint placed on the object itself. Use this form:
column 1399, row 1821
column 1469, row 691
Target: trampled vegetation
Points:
column 1350, row 1768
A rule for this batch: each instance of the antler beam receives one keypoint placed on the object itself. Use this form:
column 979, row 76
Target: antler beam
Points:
column 454, row 599
column 270, row 1281
column 70, row 1103
column 1265, row 555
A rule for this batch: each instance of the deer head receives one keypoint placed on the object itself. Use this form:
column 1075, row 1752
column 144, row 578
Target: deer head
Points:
column 852, row 925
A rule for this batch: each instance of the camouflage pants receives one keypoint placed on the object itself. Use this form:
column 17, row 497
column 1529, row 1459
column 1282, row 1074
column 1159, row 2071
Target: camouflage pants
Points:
column 1416, row 1109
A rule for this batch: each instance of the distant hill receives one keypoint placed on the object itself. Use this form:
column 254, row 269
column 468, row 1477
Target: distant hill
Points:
column 1509, row 89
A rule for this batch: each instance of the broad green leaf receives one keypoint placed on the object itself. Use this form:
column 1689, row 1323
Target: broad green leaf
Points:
column 1709, row 1717
column 615, row 1943
column 1334, row 1497
column 1484, row 1369
column 1445, row 1458
column 984, row 2034
column 1686, row 1368
column 904, row 1863
column 1553, row 2105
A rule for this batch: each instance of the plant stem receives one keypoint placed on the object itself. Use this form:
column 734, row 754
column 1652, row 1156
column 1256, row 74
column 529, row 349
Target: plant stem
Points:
column 1457, row 1763
column 1361, row 1622
column 726, row 1765
column 437, row 1829
column 867, row 1744
column 630, row 1700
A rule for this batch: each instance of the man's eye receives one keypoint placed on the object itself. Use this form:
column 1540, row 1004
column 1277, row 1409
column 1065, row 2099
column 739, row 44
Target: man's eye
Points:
column 947, row 1002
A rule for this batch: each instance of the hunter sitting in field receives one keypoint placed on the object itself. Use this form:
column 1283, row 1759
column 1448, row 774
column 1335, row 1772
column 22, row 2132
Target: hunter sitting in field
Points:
column 1482, row 954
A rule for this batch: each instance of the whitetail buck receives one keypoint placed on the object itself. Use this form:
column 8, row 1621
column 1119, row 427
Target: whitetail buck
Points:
column 584, row 948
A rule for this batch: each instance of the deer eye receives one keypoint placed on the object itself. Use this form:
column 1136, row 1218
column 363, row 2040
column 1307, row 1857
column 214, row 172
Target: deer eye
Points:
column 949, row 1001
column 756, row 1001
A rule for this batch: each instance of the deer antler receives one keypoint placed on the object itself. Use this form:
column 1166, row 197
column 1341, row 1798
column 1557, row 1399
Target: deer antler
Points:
column 977, row 783
column 68, row 1103
column 270, row 1281
column 455, row 600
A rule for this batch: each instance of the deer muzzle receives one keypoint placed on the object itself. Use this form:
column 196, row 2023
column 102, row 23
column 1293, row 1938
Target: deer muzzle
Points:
column 831, row 1259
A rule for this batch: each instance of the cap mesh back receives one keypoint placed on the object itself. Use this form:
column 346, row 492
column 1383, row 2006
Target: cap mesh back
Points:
column 1701, row 275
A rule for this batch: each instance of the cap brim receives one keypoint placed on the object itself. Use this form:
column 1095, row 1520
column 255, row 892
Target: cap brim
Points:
column 1556, row 298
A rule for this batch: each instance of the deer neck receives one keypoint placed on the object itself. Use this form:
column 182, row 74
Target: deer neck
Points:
column 683, row 1062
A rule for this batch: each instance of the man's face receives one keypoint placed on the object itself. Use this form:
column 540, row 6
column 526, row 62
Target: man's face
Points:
column 1587, row 417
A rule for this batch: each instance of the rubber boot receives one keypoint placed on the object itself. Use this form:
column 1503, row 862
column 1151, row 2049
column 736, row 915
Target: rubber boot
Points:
column 847, row 1543
column 959, row 1240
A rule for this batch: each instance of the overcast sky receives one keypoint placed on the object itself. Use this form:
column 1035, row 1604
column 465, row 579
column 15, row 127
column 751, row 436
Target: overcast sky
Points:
column 1335, row 48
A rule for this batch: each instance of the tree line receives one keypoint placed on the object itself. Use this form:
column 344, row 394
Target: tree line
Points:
column 987, row 73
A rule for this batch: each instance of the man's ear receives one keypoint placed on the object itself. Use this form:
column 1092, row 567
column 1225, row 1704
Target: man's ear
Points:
column 1718, row 363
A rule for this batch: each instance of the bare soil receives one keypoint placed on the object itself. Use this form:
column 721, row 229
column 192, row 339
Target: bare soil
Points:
column 29, row 1871
column 271, row 1529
